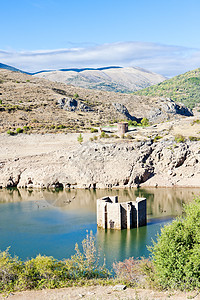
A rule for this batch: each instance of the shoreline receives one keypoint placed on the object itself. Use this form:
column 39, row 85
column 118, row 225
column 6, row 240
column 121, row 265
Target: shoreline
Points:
column 59, row 161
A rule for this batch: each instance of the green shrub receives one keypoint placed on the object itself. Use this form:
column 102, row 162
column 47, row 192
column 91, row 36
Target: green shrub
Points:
column 0, row 101
column 195, row 122
column 129, row 137
column 176, row 255
column 194, row 138
column 179, row 138
column 26, row 128
column 103, row 134
column 43, row 272
column 86, row 263
column 132, row 123
column 46, row 272
column 10, row 269
column 80, row 138
column 61, row 126
column 157, row 137
column 19, row 130
column 76, row 95
column 10, row 132
column 92, row 130
column 145, row 122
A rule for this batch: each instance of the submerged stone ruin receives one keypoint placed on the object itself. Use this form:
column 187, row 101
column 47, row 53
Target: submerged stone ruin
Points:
column 125, row 215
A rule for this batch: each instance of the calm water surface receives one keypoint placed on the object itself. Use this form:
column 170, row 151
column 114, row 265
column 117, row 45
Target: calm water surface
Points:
column 48, row 223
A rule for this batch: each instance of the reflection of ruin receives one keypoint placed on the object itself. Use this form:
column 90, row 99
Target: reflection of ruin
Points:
column 125, row 215
column 120, row 244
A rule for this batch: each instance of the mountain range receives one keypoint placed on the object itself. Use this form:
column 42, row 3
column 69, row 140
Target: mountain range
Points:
column 115, row 79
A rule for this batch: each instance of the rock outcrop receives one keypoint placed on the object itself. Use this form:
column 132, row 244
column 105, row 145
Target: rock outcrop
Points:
column 124, row 111
column 167, row 108
column 71, row 104
column 107, row 165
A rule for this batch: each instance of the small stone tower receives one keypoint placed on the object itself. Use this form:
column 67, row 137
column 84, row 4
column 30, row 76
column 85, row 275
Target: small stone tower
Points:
column 125, row 215
column 122, row 128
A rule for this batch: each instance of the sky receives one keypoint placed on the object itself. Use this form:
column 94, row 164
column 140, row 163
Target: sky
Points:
column 160, row 36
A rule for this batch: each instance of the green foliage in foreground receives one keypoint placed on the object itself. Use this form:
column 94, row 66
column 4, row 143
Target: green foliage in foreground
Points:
column 176, row 255
column 47, row 272
column 183, row 88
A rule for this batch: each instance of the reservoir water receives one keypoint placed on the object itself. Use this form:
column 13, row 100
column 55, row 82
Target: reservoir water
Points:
column 51, row 222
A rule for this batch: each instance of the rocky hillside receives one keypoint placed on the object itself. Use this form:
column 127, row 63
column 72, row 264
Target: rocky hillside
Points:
column 49, row 161
column 116, row 79
column 184, row 88
column 45, row 106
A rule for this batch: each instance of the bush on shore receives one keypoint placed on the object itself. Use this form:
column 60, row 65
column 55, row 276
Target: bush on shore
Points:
column 176, row 254
column 48, row 272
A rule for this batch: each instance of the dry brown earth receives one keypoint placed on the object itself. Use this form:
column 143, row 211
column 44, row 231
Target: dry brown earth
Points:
column 29, row 101
column 101, row 293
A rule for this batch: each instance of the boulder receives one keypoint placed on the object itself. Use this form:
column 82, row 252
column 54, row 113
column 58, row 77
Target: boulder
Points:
column 124, row 111
column 70, row 104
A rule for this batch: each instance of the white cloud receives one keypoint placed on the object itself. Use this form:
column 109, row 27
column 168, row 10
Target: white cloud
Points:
column 164, row 59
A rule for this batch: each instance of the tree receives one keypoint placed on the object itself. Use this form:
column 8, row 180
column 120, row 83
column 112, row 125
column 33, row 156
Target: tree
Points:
column 76, row 95
column 80, row 138
column 176, row 255
column 145, row 122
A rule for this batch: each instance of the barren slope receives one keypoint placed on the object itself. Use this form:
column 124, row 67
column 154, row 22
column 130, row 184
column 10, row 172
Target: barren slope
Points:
column 29, row 101
column 107, row 79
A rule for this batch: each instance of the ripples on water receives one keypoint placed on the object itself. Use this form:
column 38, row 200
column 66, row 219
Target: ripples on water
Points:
column 50, row 223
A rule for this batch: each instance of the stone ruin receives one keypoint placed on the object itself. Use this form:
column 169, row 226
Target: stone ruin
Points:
column 122, row 128
column 125, row 215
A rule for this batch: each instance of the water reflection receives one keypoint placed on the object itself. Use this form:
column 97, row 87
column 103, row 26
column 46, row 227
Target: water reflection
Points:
column 50, row 223
column 160, row 201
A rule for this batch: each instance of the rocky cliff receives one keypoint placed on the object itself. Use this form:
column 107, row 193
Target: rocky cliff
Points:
column 102, row 164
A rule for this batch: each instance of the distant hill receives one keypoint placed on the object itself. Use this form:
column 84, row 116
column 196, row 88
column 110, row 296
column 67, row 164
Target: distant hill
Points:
column 10, row 68
column 44, row 106
column 183, row 88
column 116, row 79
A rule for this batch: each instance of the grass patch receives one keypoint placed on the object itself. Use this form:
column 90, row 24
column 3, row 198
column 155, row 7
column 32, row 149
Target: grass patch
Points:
column 179, row 138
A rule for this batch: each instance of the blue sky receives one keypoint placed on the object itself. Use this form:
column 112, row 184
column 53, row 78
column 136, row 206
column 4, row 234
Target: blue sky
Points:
column 162, row 36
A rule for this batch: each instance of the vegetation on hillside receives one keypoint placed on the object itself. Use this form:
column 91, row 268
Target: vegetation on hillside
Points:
column 183, row 88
